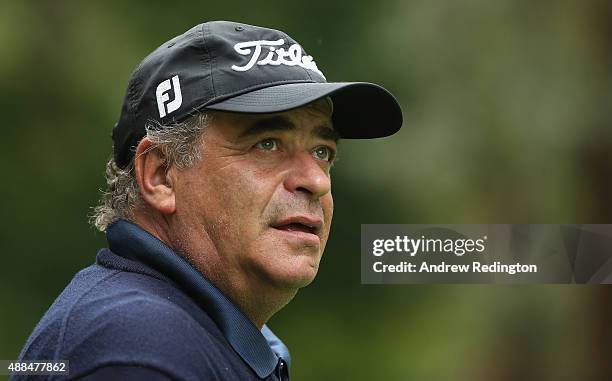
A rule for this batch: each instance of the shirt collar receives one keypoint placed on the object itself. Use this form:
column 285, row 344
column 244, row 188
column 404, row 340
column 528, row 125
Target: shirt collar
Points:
column 131, row 241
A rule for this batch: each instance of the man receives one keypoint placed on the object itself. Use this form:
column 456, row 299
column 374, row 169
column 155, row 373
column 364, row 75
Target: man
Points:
column 217, row 211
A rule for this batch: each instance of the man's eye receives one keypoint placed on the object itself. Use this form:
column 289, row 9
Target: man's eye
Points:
column 268, row 145
column 323, row 153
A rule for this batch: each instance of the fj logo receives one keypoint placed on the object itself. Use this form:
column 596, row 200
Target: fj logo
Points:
column 163, row 105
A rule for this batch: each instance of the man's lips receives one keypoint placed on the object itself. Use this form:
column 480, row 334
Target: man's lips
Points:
column 303, row 223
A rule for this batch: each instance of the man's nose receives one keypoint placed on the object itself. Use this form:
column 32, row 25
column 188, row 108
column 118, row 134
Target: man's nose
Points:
column 307, row 176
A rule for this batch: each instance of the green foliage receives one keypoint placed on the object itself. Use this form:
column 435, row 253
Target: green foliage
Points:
column 507, row 120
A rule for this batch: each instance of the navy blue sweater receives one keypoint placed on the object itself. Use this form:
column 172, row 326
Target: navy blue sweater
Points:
column 142, row 312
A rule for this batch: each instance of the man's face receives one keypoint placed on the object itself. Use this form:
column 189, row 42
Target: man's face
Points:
column 260, row 199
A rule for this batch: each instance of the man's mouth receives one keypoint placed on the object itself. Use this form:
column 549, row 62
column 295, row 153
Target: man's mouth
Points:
column 296, row 227
column 304, row 224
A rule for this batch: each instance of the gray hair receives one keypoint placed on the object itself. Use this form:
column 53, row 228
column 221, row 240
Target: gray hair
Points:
column 180, row 146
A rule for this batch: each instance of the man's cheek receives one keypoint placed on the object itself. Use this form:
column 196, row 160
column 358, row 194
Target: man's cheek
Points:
column 327, row 203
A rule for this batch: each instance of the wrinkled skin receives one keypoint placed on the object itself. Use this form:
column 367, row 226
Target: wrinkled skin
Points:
column 254, row 214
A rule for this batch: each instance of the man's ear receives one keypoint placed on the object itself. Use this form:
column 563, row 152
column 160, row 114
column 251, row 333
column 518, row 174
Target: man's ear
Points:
column 153, row 179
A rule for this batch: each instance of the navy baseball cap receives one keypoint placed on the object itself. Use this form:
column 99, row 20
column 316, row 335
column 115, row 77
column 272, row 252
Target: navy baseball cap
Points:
column 234, row 67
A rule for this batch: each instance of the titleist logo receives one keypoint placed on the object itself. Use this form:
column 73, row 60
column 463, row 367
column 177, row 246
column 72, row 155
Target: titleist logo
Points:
column 276, row 56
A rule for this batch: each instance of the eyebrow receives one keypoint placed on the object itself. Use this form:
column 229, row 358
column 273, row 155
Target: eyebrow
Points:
column 282, row 123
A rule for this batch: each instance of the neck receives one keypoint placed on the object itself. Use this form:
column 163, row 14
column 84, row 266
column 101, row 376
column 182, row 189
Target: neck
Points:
column 257, row 299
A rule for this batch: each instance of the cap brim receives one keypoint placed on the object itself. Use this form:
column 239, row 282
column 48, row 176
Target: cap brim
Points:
column 361, row 110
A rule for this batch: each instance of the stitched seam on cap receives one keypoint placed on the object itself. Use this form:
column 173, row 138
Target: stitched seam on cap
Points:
column 286, row 101
column 210, row 58
column 256, row 87
column 287, row 38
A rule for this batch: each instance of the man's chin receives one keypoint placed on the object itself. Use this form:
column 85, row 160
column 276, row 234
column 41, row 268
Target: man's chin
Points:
column 290, row 267
column 296, row 278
